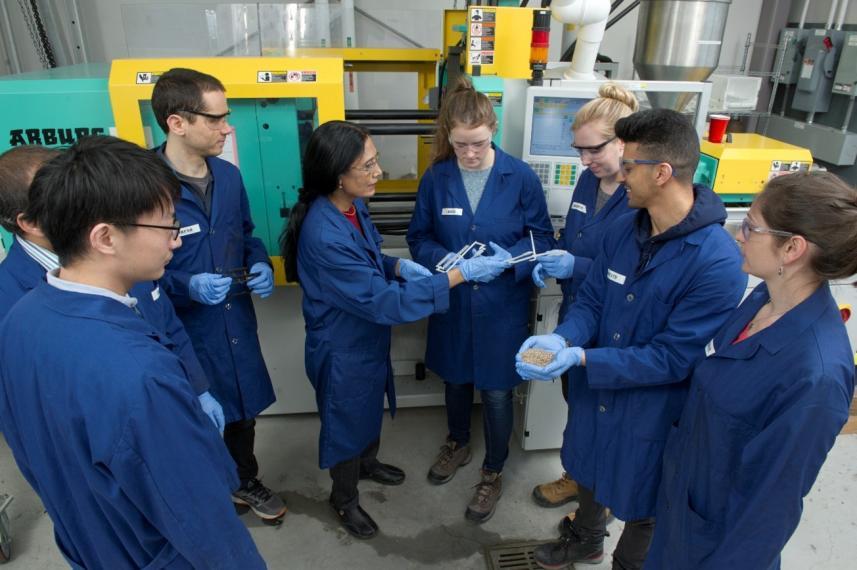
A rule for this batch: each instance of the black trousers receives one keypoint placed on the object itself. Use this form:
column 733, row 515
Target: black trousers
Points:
column 590, row 522
column 240, row 437
column 346, row 475
column 563, row 378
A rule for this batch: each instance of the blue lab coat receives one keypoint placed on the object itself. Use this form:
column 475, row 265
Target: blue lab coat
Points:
column 648, row 306
column 760, row 418
column 19, row 273
column 103, row 424
column 477, row 339
column 351, row 297
column 584, row 230
column 225, row 335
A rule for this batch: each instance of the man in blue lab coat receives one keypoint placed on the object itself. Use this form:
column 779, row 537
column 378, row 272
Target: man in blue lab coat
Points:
column 94, row 403
column 211, row 277
column 31, row 256
column 666, row 279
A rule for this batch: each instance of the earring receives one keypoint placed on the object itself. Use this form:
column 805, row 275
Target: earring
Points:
column 780, row 270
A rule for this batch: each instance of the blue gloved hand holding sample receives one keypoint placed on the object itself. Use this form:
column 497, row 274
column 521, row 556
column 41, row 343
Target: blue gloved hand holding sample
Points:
column 500, row 254
column 482, row 269
column 209, row 288
column 564, row 357
column 559, row 264
column 262, row 284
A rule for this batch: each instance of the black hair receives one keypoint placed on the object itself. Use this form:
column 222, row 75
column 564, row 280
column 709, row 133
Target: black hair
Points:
column 179, row 91
column 821, row 207
column 331, row 151
column 18, row 165
column 98, row 179
column 664, row 135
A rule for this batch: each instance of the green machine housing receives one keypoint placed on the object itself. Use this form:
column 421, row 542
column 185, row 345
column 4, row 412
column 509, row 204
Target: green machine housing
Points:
column 56, row 107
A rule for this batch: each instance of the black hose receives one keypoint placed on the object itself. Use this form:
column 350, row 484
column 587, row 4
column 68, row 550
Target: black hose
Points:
column 43, row 35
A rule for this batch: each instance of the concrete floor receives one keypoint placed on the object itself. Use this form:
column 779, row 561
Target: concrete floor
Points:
column 422, row 526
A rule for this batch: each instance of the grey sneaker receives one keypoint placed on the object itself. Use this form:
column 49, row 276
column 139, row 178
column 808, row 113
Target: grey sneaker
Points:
column 485, row 498
column 450, row 458
column 261, row 500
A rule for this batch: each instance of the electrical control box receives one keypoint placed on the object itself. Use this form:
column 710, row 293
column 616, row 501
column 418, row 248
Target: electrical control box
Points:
column 845, row 81
column 818, row 66
column 795, row 41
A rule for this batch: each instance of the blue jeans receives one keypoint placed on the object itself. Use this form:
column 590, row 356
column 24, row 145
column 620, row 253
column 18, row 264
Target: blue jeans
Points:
column 496, row 420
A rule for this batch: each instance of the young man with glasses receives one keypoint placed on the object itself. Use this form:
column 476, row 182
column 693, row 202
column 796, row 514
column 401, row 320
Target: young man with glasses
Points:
column 31, row 256
column 666, row 279
column 94, row 401
column 208, row 279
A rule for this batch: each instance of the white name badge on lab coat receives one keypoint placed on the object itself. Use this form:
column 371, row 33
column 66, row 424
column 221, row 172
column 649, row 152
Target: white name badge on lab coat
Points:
column 189, row 230
column 709, row 348
column 579, row 207
column 615, row 277
column 156, row 293
column 452, row 212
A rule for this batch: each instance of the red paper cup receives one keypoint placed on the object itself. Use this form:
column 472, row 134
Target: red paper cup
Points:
column 717, row 128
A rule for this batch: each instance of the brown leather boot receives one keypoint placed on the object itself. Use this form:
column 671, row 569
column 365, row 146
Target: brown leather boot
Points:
column 556, row 493
column 450, row 458
column 484, row 500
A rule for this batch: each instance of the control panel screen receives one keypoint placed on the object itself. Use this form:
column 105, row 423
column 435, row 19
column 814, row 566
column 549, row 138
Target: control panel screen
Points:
column 551, row 125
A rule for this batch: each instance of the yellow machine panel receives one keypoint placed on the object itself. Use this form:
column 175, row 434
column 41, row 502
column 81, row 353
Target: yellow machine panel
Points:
column 498, row 41
column 132, row 81
column 740, row 168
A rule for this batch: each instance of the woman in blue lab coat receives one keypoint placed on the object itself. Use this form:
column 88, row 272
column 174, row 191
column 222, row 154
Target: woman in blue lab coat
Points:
column 766, row 404
column 599, row 198
column 476, row 192
column 352, row 295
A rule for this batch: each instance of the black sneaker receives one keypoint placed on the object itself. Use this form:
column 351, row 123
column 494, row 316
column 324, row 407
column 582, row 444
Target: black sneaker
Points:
column 568, row 550
column 261, row 500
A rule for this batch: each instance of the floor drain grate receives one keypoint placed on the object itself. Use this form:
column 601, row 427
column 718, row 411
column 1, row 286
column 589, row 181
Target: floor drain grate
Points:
column 514, row 556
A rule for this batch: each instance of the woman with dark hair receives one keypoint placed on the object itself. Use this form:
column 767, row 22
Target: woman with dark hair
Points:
column 773, row 392
column 352, row 295
column 474, row 191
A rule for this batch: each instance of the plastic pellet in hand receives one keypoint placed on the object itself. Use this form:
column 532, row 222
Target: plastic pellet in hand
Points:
column 537, row 356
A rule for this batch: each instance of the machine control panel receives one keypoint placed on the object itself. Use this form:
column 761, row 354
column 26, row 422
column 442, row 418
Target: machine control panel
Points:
column 548, row 145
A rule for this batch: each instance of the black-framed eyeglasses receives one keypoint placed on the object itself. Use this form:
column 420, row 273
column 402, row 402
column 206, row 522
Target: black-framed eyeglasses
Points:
column 593, row 150
column 176, row 229
column 213, row 122
column 645, row 161
column 747, row 226
column 370, row 165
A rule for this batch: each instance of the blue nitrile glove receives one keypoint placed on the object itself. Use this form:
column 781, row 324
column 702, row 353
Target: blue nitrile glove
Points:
column 500, row 254
column 411, row 270
column 213, row 410
column 262, row 284
column 539, row 276
column 550, row 342
column 209, row 288
column 564, row 357
column 559, row 265
column 482, row 269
